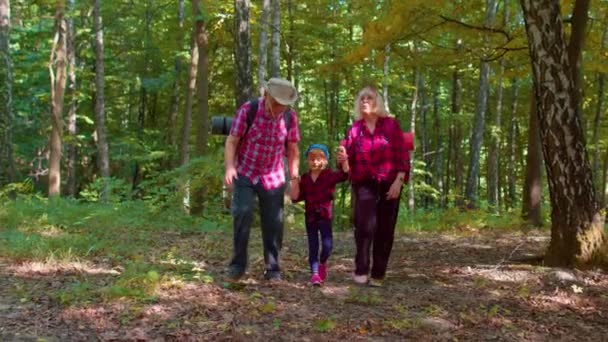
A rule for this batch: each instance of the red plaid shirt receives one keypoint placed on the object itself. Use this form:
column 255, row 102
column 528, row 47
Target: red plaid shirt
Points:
column 260, row 155
column 378, row 156
column 317, row 195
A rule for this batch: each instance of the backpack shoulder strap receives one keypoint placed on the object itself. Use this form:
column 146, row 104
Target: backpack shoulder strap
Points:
column 287, row 117
column 253, row 109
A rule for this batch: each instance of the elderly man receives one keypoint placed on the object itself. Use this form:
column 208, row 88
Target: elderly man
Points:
column 254, row 161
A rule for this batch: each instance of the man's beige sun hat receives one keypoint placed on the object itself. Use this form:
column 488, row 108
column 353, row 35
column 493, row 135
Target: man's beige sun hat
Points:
column 282, row 91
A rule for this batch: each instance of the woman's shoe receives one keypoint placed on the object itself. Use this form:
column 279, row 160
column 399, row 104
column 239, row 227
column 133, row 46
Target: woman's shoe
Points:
column 323, row 271
column 360, row 279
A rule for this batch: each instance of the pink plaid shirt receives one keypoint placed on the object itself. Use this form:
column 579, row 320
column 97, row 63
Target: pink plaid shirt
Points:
column 378, row 156
column 260, row 155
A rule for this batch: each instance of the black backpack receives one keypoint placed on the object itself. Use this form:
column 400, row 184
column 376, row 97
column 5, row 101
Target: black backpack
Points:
column 253, row 108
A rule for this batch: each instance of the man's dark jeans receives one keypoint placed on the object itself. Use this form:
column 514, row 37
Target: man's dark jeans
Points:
column 271, row 214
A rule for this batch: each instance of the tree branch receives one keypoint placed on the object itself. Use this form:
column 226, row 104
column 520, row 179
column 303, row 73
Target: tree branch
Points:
column 479, row 28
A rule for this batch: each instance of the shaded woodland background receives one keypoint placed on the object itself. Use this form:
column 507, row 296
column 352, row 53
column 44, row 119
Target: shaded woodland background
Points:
column 111, row 101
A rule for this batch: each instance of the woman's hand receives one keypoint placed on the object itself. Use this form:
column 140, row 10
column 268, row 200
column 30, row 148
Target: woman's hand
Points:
column 341, row 155
column 395, row 190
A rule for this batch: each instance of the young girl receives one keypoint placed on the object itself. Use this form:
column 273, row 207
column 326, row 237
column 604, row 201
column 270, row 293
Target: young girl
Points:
column 316, row 188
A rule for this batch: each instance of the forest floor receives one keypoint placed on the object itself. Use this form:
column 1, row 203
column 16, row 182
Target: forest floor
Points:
column 457, row 286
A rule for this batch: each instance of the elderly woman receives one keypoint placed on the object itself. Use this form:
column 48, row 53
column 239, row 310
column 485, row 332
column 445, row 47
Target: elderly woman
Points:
column 376, row 151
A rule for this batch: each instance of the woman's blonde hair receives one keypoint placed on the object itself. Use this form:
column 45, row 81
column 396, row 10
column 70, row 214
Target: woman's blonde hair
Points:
column 379, row 108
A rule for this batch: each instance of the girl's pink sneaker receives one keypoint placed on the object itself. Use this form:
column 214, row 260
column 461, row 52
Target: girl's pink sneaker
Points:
column 323, row 271
column 315, row 280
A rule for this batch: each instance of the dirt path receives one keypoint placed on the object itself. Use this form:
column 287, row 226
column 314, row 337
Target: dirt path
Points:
column 440, row 287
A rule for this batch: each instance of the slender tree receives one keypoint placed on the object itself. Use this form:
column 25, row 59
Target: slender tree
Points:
column 7, row 168
column 242, row 55
column 411, row 203
column 103, row 154
column 595, row 138
column 471, row 190
column 577, row 223
column 57, row 71
column 202, row 92
column 263, row 44
column 175, row 99
column 511, row 156
column 533, row 187
column 72, row 146
column 275, row 41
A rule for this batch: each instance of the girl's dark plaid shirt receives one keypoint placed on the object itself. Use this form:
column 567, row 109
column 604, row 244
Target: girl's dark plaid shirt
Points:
column 317, row 195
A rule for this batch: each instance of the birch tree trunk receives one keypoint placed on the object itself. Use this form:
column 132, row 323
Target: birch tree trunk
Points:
column 577, row 228
column 103, row 157
column 7, row 168
column 263, row 47
column 72, row 149
column 471, row 190
column 242, row 55
column 275, row 41
column 58, row 72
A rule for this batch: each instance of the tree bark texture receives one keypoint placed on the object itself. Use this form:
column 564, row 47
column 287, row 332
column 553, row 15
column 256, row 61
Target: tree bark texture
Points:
column 263, row 44
column 103, row 154
column 471, row 189
column 275, row 40
column 58, row 74
column 7, row 168
column 532, row 191
column 438, row 174
column 387, row 59
column 184, row 155
column 242, row 55
column 577, row 229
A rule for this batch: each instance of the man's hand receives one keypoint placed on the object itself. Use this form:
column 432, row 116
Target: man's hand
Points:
column 395, row 190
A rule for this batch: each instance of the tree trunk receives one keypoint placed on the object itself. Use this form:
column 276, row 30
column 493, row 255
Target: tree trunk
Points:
column 425, row 140
column 511, row 165
column 496, row 136
column 58, row 71
column 174, row 108
column 455, row 149
column 604, row 190
column 575, row 50
column 275, row 41
column 103, row 157
column 7, row 167
column 72, row 149
column 242, row 55
column 411, row 203
column 532, row 191
column 595, row 139
column 577, row 229
column 387, row 58
column 263, row 47
column 471, row 190
column 291, row 46
column 202, row 83
column 438, row 174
